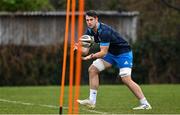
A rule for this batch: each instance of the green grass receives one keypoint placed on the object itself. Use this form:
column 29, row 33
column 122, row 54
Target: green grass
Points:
column 112, row 99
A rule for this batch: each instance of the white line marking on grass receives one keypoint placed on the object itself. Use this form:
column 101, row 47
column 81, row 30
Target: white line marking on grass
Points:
column 94, row 111
column 49, row 106
column 16, row 102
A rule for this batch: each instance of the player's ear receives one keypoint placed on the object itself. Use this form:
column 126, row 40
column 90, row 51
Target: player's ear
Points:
column 96, row 19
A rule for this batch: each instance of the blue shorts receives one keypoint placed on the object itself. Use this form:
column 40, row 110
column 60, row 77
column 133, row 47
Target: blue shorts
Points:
column 121, row 61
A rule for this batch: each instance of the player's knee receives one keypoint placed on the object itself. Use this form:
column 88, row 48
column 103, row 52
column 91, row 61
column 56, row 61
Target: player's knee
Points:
column 126, row 80
column 93, row 70
column 99, row 65
column 125, row 72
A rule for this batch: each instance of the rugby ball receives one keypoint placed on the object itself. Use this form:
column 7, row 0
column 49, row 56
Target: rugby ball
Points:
column 86, row 41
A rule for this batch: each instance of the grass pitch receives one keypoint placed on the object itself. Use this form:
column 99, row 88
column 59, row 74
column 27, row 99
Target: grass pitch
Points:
column 112, row 99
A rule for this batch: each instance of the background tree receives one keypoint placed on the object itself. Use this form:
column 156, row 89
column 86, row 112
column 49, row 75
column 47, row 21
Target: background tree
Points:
column 25, row 5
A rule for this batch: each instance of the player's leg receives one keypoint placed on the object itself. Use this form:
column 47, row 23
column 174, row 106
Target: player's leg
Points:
column 136, row 90
column 134, row 87
column 124, row 62
column 97, row 66
column 125, row 74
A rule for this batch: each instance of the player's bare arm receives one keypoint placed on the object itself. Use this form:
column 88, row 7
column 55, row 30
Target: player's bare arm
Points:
column 103, row 51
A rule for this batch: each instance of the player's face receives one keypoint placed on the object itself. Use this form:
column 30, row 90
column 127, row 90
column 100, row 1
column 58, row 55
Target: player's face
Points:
column 91, row 21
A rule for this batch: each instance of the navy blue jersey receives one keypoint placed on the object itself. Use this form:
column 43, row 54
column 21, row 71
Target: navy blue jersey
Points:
column 106, row 36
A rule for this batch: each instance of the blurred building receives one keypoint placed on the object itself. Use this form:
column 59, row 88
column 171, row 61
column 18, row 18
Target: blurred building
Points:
column 47, row 28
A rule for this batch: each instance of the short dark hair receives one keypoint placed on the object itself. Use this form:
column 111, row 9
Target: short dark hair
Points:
column 92, row 13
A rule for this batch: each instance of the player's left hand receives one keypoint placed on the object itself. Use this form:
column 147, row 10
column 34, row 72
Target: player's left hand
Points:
column 87, row 57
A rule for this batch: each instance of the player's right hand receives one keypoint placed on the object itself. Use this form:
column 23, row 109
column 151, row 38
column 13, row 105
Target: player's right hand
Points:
column 75, row 46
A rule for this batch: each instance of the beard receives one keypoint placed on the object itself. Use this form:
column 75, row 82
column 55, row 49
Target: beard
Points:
column 92, row 27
